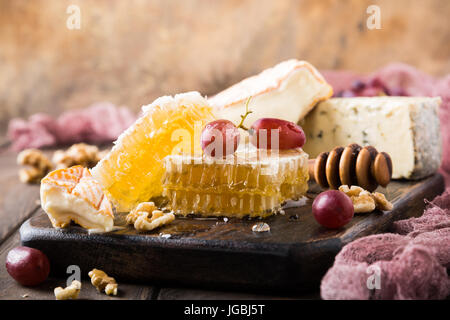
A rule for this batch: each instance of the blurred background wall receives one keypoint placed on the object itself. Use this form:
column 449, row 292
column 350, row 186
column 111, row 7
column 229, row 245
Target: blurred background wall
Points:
column 130, row 52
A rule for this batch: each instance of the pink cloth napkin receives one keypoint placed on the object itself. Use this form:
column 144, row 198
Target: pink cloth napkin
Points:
column 412, row 262
column 409, row 264
column 99, row 123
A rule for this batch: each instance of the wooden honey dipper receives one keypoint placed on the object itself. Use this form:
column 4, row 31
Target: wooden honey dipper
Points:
column 352, row 165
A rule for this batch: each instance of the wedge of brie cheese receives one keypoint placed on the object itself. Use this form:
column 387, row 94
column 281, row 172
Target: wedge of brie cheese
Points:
column 73, row 195
column 407, row 128
column 287, row 91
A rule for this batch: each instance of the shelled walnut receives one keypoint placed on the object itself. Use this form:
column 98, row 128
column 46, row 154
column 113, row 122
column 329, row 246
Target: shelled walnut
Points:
column 78, row 154
column 70, row 292
column 381, row 202
column 141, row 207
column 364, row 201
column 103, row 282
column 38, row 165
column 146, row 217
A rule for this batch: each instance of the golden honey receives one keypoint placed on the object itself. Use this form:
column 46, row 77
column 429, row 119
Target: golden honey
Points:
column 132, row 172
column 248, row 183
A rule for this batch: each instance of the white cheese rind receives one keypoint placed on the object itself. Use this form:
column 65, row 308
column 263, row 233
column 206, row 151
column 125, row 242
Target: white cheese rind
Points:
column 62, row 208
column 407, row 128
column 287, row 91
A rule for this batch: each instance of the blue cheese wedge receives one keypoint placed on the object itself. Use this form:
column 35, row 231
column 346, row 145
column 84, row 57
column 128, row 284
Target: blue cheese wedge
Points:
column 405, row 127
column 287, row 91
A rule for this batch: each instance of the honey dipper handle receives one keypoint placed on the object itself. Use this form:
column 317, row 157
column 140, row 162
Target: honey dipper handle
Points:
column 352, row 166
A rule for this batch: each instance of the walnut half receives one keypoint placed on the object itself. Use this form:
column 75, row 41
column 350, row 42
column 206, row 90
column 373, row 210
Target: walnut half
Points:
column 146, row 217
column 136, row 212
column 381, row 202
column 148, row 221
column 364, row 201
column 78, row 154
column 38, row 165
column 70, row 292
column 103, row 282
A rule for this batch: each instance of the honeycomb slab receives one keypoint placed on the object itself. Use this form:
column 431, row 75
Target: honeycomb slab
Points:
column 249, row 183
column 132, row 172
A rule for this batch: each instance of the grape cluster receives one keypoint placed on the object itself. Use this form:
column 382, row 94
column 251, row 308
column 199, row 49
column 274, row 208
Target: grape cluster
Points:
column 370, row 88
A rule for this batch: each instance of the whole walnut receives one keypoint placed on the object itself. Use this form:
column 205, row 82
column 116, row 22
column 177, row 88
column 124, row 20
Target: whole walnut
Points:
column 78, row 154
column 38, row 165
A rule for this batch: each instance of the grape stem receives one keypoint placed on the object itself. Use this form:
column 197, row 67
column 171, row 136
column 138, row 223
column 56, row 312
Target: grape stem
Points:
column 247, row 112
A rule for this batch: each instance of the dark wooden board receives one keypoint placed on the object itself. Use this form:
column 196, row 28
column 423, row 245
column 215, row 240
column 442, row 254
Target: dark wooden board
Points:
column 214, row 253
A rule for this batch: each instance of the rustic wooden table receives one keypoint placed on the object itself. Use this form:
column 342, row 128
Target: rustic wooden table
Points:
column 20, row 201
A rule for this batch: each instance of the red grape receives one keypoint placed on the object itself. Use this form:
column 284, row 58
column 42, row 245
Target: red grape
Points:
column 27, row 266
column 333, row 209
column 220, row 138
column 290, row 135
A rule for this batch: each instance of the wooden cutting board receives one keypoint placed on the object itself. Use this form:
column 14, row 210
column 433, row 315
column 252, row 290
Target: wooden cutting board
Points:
column 214, row 253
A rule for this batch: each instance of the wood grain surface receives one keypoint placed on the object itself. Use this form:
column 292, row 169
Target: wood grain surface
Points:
column 18, row 201
column 130, row 52
column 213, row 253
